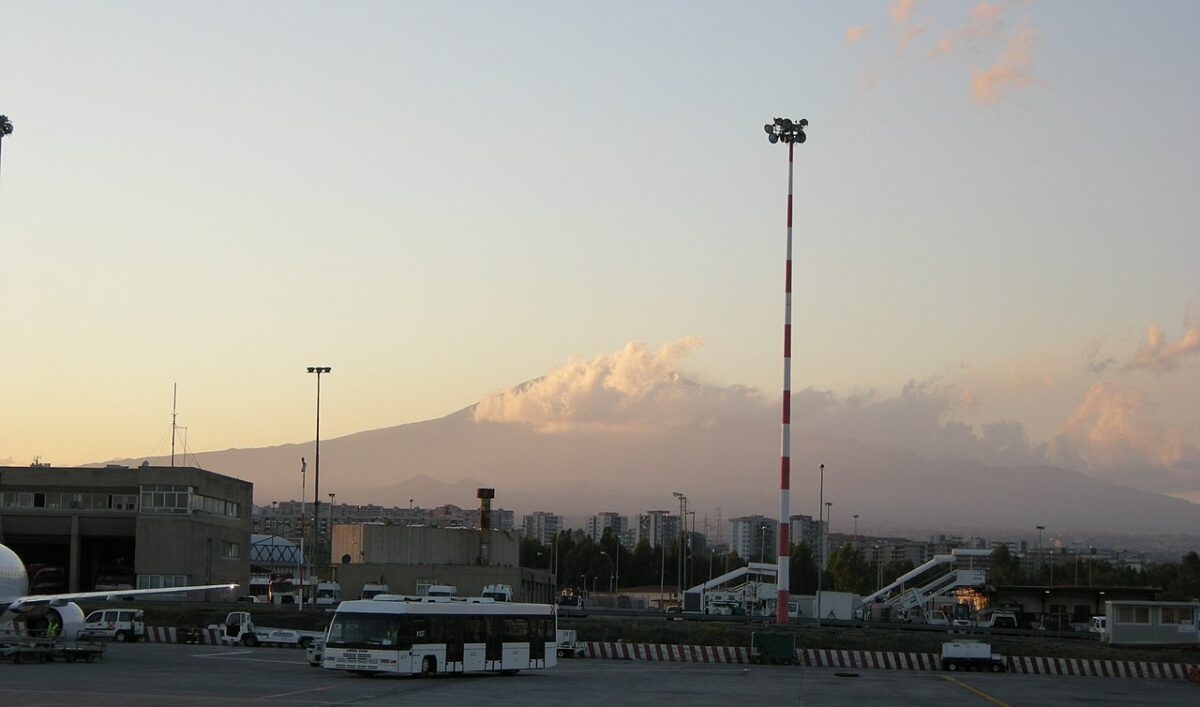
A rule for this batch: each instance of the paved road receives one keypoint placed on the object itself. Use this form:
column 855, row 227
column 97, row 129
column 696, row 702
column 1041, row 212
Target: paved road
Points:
column 155, row 674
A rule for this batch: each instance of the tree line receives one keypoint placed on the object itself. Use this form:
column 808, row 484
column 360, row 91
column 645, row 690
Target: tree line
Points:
column 584, row 564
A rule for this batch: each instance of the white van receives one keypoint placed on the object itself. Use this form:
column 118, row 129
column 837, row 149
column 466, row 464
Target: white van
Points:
column 116, row 624
column 370, row 590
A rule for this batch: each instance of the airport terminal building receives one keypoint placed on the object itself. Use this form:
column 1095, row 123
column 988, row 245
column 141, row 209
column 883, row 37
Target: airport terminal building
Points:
column 84, row 529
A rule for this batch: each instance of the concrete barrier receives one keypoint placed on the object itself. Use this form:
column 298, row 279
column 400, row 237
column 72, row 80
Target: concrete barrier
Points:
column 889, row 660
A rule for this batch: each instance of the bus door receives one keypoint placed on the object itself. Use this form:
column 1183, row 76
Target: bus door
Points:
column 495, row 638
column 452, row 634
column 474, row 636
column 537, row 638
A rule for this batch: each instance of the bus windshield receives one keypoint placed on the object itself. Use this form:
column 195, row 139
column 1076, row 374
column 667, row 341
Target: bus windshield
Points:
column 370, row 631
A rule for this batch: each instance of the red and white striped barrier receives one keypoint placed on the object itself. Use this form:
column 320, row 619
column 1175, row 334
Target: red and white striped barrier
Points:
column 619, row 650
column 888, row 660
column 1100, row 668
column 170, row 634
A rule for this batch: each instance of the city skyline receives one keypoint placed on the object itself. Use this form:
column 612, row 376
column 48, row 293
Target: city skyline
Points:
column 570, row 217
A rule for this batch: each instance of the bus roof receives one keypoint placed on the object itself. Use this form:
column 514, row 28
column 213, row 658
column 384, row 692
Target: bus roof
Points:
column 371, row 606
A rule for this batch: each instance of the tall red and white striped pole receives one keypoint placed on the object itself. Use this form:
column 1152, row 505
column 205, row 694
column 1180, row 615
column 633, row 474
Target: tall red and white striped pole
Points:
column 791, row 133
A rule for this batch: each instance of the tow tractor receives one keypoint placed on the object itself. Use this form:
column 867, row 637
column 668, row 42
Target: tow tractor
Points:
column 240, row 629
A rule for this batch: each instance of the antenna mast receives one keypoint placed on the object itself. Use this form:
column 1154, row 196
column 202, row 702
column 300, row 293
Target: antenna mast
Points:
column 174, row 399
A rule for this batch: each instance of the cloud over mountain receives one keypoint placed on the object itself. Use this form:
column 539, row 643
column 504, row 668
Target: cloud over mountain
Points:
column 628, row 390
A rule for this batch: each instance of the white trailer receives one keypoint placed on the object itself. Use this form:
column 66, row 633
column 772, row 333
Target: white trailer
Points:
column 967, row 655
column 239, row 629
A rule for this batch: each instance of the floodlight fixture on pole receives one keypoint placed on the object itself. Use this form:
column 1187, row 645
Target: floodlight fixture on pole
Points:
column 317, row 473
column 790, row 132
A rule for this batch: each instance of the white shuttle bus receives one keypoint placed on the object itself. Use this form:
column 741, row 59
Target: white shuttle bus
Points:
column 422, row 638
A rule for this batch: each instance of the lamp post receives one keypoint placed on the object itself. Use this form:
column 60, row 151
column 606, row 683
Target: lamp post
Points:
column 1040, row 528
column 789, row 132
column 330, row 531
column 617, row 571
column 856, row 531
column 317, row 472
column 821, row 541
column 682, row 536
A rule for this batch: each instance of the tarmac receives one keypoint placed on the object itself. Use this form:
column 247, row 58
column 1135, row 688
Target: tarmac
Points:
column 172, row 674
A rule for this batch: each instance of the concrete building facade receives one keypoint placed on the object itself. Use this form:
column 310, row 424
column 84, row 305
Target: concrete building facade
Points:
column 80, row 528
column 410, row 558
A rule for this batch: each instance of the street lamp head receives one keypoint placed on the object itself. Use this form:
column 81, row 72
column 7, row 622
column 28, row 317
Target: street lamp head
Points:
column 319, row 369
column 787, row 130
column 6, row 126
column 676, row 494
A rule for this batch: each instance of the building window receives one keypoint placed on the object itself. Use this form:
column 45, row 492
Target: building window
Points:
column 165, row 498
column 17, row 499
column 160, row 581
column 1133, row 615
column 1177, row 615
column 231, row 550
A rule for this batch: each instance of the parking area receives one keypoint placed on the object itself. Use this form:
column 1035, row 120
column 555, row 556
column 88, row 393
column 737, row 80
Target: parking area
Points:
column 145, row 674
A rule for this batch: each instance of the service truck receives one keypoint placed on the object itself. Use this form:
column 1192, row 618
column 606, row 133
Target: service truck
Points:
column 240, row 629
column 967, row 655
column 568, row 645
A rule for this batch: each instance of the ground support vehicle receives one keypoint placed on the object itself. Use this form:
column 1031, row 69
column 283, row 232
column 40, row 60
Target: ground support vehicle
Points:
column 42, row 649
column 119, row 625
column 968, row 655
column 772, row 647
column 239, row 629
column 422, row 638
column 315, row 653
column 568, row 644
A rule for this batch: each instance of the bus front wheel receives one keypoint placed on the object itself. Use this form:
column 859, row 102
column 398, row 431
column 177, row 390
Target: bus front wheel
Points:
column 428, row 666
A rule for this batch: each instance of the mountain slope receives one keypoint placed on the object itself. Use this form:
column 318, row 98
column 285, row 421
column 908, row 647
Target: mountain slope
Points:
column 732, row 464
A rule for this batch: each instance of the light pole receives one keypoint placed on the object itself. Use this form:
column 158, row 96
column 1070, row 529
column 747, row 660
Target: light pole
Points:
column 682, row 536
column 617, row 571
column 317, row 472
column 330, row 531
column 790, row 133
column 855, row 531
column 821, row 541
column 1040, row 528
column 878, row 568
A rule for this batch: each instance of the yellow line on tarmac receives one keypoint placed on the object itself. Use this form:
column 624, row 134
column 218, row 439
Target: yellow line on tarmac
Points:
column 980, row 693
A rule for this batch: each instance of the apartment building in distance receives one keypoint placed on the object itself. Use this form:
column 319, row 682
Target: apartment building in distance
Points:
column 754, row 538
column 615, row 523
column 542, row 526
column 656, row 528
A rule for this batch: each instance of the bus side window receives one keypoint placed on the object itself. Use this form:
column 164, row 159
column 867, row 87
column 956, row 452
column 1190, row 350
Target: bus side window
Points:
column 420, row 631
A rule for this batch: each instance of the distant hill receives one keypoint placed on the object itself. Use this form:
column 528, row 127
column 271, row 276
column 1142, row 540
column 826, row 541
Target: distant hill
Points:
column 732, row 464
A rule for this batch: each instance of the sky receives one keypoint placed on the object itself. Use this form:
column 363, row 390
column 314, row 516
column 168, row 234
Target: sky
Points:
column 995, row 211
